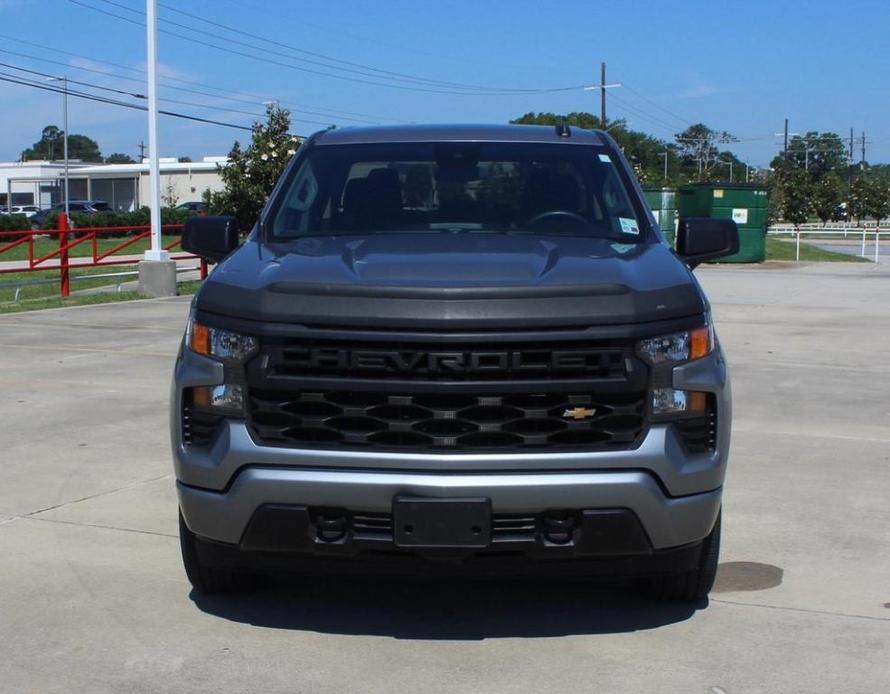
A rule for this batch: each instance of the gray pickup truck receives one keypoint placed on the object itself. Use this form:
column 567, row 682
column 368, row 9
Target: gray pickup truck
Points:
column 453, row 348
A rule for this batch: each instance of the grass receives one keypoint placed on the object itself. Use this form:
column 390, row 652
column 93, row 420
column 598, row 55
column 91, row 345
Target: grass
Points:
column 776, row 249
column 183, row 288
column 49, row 289
column 45, row 245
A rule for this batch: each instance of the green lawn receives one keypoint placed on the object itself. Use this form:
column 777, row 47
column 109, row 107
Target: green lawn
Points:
column 43, row 246
column 184, row 288
column 776, row 249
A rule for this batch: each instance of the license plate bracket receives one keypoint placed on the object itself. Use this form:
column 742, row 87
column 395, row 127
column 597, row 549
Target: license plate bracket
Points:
column 441, row 522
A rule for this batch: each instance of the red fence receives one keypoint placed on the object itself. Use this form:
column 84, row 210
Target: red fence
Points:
column 61, row 259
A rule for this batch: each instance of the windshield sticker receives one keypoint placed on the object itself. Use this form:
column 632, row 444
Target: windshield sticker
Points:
column 629, row 226
column 605, row 158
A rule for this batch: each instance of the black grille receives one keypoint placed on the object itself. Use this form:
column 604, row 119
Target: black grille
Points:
column 699, row 435
column 419, row 394
column 448, row 421
column 198, row 428
column 434, row 362
column 504, row 528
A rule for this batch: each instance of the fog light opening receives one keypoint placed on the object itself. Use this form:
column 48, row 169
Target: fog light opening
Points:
column 558, row 530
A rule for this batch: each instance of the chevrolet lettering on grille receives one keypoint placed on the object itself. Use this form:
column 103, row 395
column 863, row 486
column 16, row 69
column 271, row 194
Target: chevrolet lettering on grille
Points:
column 456, row 362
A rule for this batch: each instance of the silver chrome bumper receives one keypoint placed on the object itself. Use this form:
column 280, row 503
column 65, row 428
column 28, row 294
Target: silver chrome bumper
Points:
column 675, row 495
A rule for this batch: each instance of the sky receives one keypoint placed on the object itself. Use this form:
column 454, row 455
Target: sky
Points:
column 742, row 67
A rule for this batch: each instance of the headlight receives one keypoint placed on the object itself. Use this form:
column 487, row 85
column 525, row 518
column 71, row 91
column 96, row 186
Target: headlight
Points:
column 233, row 349
column 220, row 343
column 677, row 347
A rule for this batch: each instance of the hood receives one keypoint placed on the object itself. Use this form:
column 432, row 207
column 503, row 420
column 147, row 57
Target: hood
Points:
column 445, row 280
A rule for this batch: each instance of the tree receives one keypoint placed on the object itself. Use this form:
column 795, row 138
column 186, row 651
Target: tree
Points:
column 818, row 153
column 118, row 158
column 51, row 146
column 251, row 173
column 797, row 193
column 858, row 203
column 827, row 193
column 877, row 197
column 644, row 152
column 698, row 148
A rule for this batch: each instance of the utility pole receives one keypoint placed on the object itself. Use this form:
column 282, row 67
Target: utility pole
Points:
column 863, row 148
column 141, row 152
column 602, row 86
column 603, row 95
column 785, row 155
column 665, row 155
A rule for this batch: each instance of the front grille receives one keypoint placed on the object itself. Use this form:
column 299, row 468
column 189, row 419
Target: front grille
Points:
column 699, row 435
column 443, row 396
column 448, row 421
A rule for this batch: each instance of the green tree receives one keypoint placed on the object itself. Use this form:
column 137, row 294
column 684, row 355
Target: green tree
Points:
column 858, row 202
column 798, row 197
column 877, row 197
column 644, row 152
column 51, row 146
column 818, row 153
column 827, row 194
column 699, row 151
column 251, row 173
column 118, row 158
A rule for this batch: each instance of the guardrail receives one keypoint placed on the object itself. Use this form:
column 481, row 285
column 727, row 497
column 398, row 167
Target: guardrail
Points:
column 833, row 231
column 61, row 259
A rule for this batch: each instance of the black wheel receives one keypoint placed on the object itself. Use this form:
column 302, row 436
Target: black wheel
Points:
column 210, row 579
column 694, row 585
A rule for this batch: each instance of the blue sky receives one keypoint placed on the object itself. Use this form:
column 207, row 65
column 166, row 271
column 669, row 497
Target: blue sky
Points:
column 741, row 66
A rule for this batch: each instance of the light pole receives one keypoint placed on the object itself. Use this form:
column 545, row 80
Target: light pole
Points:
column 157, row 273
column 156, row 252
column 64, row 80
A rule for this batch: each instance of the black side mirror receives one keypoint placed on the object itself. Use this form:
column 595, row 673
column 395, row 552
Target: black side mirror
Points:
column 705, row 238
column 211, row 238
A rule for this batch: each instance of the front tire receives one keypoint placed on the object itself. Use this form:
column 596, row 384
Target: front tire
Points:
column 694, row 585
column 210, row 580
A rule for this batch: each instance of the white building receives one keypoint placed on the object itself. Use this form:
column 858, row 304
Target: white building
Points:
column 123, row 186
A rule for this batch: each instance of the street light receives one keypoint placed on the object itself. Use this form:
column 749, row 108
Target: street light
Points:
column 64, row 80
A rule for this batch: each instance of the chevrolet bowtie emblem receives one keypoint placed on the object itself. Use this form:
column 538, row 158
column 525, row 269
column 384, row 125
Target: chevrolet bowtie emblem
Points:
column 579, row 413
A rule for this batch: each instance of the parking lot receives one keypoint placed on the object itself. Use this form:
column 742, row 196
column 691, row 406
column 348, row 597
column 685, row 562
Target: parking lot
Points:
column 93, row 596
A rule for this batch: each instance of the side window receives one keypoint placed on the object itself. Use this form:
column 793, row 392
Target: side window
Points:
column 293, row 217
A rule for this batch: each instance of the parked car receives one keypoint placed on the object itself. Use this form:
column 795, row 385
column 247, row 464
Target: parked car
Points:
column 27, row 210
column 196, row 207
column 79, row 206
column 460, row 348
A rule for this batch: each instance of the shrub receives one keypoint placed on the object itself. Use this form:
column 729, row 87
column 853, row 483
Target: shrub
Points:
column 136, row 218
column 14, row 222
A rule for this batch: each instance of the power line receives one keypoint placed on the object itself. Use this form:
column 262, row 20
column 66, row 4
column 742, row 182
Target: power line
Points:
column 291, row 66
column 6, row 77
column 314, row 110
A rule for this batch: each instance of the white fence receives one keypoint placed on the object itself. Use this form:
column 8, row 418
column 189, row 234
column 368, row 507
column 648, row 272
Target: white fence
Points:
column 839, row 230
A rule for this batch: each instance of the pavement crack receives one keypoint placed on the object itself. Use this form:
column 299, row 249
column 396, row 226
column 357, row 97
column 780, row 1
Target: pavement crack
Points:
column 101, row 527
column 806, row 610
column 63, row 504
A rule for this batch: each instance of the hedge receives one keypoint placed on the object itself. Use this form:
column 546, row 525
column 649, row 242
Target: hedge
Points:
column 14, row 222
column 137, row 218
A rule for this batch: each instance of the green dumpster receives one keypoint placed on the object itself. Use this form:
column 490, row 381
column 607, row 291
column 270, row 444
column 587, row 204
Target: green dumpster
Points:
column 742, row 202
column 663, row 202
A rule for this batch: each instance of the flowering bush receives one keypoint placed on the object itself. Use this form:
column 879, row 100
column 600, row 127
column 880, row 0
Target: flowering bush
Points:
column 251, row 173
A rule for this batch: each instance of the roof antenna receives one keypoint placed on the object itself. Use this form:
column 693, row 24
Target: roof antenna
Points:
column 563, row 130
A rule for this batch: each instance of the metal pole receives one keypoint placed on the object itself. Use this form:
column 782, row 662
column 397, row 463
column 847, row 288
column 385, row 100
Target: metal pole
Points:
column 603, row 95
column 877, row 241
column 65, row 141
column 151, row 26
column 665, row 155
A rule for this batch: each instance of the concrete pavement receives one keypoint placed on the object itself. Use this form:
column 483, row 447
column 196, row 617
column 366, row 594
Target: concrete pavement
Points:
column 93, row 598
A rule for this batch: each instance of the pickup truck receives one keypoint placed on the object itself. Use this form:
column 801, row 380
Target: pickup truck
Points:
column 455, row 349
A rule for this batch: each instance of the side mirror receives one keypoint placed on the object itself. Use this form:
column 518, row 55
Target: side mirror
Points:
column 705, row 238
column 211, row 238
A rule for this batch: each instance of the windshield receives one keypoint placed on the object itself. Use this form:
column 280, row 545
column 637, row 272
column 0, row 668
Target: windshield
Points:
column 456, row 187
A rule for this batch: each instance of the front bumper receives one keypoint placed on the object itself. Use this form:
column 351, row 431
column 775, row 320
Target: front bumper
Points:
column 674, row 495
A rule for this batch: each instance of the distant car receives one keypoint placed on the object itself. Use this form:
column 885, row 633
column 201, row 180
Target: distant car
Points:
column 79, row 206
column 27, row 210
column 196, row 207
